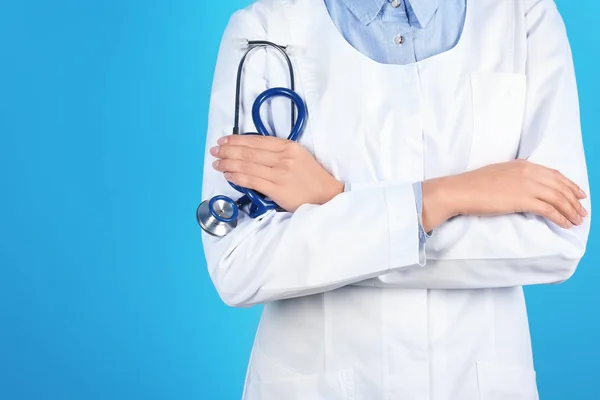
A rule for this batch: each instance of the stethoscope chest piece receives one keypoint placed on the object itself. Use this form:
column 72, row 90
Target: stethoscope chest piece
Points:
column 217, row 216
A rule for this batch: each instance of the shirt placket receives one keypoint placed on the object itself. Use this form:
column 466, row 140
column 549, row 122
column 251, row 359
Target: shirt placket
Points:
column 397, row 32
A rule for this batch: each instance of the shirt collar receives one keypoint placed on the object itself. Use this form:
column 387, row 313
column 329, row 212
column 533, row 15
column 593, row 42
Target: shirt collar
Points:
column 367, row 10
column 424, row 10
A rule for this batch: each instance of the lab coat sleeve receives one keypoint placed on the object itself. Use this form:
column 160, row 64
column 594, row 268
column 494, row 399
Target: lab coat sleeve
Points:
column 520, row 249
column 315, row 249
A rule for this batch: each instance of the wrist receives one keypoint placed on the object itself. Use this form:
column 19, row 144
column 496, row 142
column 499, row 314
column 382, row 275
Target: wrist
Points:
column 439, row 202
column 336, row 187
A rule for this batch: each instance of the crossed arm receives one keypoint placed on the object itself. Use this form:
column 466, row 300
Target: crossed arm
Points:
column 288, row 174
column 321, row 244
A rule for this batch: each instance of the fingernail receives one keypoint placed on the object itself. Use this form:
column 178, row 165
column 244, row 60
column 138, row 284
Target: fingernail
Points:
column 214, row 151
column 585, row 213
column 227, row 175
column 582, row 193
column 215, row 164
column 223, row 140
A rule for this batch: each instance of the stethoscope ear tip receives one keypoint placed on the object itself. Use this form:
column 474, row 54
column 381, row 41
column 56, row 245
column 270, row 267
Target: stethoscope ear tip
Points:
column 294, row 50
column 242, row 44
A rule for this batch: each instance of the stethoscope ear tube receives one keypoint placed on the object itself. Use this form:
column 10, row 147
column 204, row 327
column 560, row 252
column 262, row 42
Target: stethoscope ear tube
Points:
column 251, row 46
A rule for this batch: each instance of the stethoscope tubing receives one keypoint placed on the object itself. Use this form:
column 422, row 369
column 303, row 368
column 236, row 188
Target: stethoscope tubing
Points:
column 256, row 202
column 268, row 94
column 261, row 204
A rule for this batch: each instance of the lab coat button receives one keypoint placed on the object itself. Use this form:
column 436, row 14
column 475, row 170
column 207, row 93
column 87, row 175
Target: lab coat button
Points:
column 396, row 3
column 399, row 39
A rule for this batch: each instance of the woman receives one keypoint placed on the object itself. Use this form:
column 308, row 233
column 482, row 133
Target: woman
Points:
column 453, row 118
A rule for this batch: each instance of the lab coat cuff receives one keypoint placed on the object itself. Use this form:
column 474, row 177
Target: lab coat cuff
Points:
column 405, row 246
column 417, row 205
column 418, row 188
column 354, row 186
column 423, row 236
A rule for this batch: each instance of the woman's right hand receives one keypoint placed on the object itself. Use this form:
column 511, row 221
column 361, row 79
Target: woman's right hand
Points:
column 505, row 188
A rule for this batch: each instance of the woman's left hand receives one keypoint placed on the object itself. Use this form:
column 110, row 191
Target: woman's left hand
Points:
column 280, row 169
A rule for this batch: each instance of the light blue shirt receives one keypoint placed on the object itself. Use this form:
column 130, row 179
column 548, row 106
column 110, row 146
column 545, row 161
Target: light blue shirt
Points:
column 400, row 32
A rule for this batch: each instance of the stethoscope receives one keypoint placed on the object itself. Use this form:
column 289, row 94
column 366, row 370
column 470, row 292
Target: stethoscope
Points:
column 219, row 215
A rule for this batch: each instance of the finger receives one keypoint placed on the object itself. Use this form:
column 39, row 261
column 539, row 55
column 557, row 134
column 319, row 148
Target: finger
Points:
column 245, row 167
column 255, row 155
column 559, row 202
column 579, row 193
column 560, row 185
column 547, row 211
column 251, row 182
column 557, row 175
column 270, row 143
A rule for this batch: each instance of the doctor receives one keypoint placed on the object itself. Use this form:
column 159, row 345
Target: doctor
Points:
column 455, row 118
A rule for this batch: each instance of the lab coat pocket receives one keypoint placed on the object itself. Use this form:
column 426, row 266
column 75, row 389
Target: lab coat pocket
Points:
column 334, row 385
column 505, row 382
column 498, row 110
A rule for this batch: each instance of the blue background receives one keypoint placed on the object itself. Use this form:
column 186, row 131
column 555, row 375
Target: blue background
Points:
column 103, row 288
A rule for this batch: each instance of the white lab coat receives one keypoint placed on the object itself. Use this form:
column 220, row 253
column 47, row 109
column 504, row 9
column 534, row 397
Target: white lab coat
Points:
column 355, row 308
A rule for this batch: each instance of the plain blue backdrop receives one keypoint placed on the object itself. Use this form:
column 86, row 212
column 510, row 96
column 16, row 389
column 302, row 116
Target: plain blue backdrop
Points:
column 104, row 292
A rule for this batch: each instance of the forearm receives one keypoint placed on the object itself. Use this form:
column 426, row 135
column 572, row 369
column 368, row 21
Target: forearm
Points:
column 315, row 249
column 473, row 251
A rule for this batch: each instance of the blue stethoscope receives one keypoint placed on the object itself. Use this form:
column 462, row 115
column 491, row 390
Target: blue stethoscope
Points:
column 218, row 216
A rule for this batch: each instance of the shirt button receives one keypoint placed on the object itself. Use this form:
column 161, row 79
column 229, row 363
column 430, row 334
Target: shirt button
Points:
column 396, row 3
column 399, row 39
